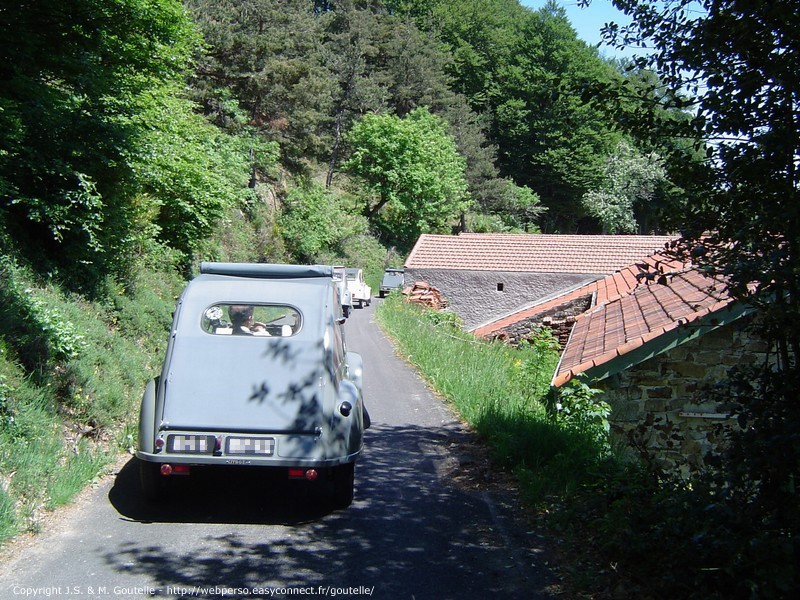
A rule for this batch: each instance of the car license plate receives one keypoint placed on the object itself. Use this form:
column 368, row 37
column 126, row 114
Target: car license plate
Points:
column 250, row 446
column 190, row 444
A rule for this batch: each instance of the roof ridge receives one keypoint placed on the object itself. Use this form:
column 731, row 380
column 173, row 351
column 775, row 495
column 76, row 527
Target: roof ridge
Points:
column 533, row 253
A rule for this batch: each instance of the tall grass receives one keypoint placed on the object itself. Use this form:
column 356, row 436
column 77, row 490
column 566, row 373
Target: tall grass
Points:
column 72, row 373
column 501, row 392
column 80, row 467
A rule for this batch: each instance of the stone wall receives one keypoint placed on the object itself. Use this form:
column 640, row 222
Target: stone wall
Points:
column 558, row 319
column 482, row 296
column 662, row 408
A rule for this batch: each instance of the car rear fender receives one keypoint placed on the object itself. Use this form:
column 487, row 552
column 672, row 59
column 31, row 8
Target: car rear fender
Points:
column 147, row 417
column 347, row 426
column 355, row 370
column 355, row 373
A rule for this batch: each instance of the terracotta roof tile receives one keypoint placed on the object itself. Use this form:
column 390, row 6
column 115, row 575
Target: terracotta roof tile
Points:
column 642, row 315
column 538, row 253
column 641, row 312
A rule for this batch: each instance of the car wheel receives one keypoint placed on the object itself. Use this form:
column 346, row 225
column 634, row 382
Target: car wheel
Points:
column 154, row 484
column 381, row 294
column 343, row 484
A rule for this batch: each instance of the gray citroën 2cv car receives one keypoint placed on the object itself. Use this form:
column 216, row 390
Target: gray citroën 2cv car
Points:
column 256, row 373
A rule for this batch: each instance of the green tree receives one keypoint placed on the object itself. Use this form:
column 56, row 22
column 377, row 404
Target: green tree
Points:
column 630, row 182
column 513, row 207
column 745, row 97
column 269, row 53
column 350, row 50
column 522, row 208
column 549, row 138
column 315, row 222
column 188, row 172
column 480, row 35
column 414, row 171
column 78, row 82
column 415, row 68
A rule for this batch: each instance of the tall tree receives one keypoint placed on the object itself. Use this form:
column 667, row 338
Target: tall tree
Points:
column 625, row 201
column 737, row 64
column 78, row 85
column 415, row 65
column 550, row 139
column 414, row 171
column 269, row 52
column 480, row 35
column 350, row 52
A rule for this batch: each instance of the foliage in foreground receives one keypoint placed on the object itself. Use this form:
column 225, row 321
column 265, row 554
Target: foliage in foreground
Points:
column 502, row 393
column 735, row 535
column 733, row 532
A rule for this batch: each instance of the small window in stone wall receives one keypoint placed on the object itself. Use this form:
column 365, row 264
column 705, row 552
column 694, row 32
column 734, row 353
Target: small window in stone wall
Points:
column 500, row 287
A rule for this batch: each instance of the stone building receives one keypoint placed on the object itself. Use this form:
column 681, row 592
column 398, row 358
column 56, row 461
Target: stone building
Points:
column 656, row 337
column 560, row 312
column 662, row 407
column 485, row 276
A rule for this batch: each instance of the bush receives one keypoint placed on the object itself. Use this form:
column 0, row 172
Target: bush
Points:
column 731, row 533
column 316, row 222
column 579, row 408
column 249, row 234
column 40, row 333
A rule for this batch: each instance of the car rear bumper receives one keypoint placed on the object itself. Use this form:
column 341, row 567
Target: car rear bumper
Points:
column 252, row 461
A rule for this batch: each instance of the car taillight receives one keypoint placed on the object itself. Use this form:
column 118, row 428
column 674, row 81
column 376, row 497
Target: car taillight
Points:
column 308, row 474
column 168, row 469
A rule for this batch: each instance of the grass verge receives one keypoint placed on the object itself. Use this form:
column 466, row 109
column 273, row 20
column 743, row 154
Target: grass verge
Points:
column 71, row 376
column 501, row 392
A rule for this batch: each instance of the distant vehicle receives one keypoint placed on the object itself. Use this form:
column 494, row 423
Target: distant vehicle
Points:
column 392, row 279
column 256, row 374
column 359, row 290
column 340, row 277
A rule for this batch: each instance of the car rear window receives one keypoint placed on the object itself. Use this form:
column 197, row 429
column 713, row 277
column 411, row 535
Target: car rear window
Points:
column 251, row 320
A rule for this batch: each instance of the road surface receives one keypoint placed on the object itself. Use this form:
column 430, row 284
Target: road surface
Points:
column 424, row 524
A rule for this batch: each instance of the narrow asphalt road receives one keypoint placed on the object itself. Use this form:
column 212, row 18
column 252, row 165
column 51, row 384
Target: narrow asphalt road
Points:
column 424, row 524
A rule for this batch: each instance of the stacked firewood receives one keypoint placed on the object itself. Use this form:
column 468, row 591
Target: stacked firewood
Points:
column 421, row 292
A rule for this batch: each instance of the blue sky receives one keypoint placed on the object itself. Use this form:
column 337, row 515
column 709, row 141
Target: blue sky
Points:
column 587, row 22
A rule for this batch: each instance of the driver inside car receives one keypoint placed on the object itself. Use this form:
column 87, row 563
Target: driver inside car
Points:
column 242, row 320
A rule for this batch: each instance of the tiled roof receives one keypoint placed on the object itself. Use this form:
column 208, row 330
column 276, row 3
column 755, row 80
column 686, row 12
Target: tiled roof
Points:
column 535, row 253
column 604, row 290
column 649, row 310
